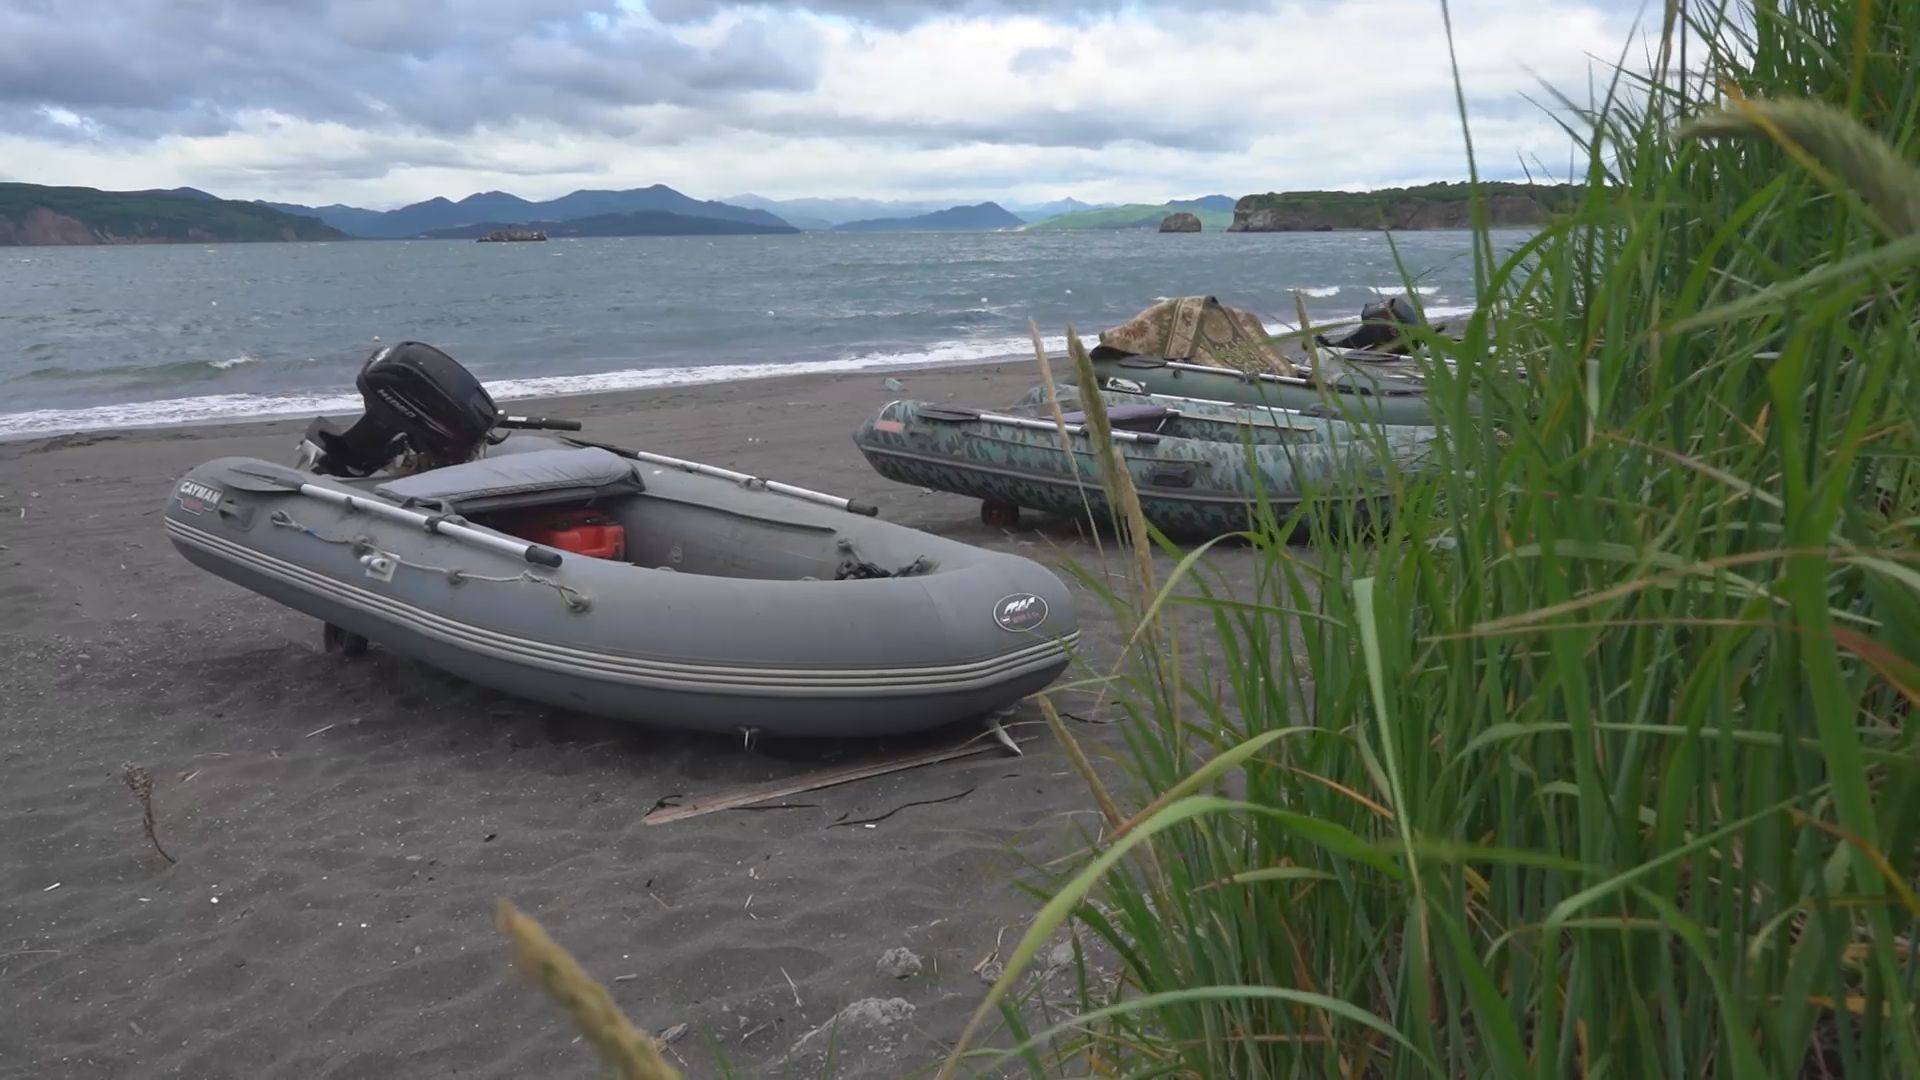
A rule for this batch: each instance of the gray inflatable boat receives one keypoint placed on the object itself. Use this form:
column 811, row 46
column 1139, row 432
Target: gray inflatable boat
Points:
column 737, row 606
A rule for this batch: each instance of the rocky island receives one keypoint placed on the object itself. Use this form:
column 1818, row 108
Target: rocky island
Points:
column 33, row 214
column 514, row 236
column 1180, row 222
column 1428, row 206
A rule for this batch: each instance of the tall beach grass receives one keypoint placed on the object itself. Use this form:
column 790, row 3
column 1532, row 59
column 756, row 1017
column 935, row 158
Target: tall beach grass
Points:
column 1597, row 757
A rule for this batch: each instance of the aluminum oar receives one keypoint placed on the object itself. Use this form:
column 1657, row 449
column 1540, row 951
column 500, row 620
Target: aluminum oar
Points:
column 852, row 506
column 438, row 524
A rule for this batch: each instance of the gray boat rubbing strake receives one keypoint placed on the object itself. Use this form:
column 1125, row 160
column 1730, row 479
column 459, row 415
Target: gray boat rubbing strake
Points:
column 738, row 608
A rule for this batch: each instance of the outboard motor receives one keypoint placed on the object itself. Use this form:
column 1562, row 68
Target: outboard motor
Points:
column 1380, row 327
column 418, row 400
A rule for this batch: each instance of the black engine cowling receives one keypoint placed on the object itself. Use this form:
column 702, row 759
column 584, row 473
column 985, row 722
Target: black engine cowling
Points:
column 1382, row 327
column 418, row 400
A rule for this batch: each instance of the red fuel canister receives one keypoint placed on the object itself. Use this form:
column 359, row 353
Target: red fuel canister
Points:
column 581, row 532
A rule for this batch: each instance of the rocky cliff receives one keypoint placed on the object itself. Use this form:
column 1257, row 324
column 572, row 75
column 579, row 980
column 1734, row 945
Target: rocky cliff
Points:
column 1431, row 206
column 31, row 214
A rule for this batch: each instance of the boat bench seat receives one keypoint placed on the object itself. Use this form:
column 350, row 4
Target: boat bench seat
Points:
column 517, row 481
column 1127, row 417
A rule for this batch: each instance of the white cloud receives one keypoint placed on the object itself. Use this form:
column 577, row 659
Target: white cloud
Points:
column 1131, row 102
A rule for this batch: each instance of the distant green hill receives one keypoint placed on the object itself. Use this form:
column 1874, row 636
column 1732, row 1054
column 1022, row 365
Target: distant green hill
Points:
column 1214, row 211
column 1425, row 206
column 980, row 217
column 32, row 214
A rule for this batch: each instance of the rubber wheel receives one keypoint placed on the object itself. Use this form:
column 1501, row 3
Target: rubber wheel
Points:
column 999, row 514
column 345, row 642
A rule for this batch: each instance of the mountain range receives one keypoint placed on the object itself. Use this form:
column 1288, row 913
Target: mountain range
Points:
column 981, row 217
column 494, row 207
column 1037, row 212
column 32, row 214
column 37, row 214
column 637, row 223
column 827, row 213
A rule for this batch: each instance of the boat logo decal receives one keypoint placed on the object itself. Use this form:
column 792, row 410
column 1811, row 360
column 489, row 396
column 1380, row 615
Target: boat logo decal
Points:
column 891, row 427
column 198, row 498
column 1020, row 612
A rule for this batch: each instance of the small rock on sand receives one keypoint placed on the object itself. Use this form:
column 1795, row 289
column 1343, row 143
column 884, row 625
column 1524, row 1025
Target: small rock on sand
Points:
column 899, row 963
column 863, row 1018
column 1060, row 956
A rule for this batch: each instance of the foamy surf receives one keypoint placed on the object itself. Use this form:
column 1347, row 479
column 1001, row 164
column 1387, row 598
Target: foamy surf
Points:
column 215, row 408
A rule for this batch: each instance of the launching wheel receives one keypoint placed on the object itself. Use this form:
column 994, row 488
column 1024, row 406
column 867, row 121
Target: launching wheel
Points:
column 345, row 642
column 999, row 514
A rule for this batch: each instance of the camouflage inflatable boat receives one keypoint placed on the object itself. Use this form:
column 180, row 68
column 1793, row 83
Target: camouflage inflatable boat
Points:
column 1188, row 486
column 1191, row 418
column 1374, row 388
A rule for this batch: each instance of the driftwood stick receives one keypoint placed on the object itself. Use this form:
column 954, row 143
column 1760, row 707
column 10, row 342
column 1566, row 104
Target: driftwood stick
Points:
column 140, row 782
column 814, row 781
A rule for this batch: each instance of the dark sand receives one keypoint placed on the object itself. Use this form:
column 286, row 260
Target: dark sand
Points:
column 344, row 828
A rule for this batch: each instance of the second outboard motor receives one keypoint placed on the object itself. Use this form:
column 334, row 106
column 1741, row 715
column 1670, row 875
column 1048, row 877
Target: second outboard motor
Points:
column 1379, row 329
column 418, row 400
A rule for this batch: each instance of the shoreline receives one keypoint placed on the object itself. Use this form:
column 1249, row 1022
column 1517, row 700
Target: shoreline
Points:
column 348, row 401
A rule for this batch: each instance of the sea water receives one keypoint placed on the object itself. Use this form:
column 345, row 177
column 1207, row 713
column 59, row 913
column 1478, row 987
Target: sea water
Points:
column 97, row 337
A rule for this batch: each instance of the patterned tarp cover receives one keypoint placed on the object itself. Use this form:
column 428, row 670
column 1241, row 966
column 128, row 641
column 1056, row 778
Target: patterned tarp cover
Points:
column 1198, row 330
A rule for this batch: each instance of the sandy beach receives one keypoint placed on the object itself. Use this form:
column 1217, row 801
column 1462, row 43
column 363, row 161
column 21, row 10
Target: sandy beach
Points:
column 344, row 828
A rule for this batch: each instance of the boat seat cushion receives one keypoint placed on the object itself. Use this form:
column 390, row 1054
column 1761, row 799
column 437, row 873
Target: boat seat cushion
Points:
column 513, row 481
column 1127, row 417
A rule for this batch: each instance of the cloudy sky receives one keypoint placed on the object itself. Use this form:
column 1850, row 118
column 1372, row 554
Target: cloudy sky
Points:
column 383, row 102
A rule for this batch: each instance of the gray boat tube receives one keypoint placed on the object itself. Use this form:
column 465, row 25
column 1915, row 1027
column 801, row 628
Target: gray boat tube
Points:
column 740, row 608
